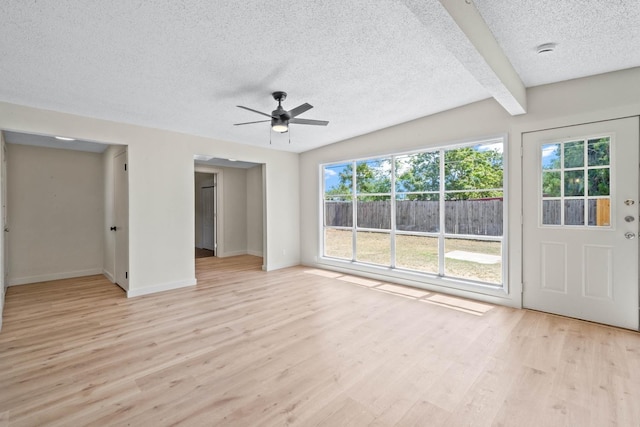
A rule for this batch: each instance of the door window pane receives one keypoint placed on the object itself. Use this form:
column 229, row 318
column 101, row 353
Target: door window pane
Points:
column 373, row 247
column 574, row 154
column 574, row 212
column 551, row 156
column 599, row 212
column 338, row 243
column 574, row 183
column 598, row 151
column 418, row 253
column 598, row 182
column 473, row 259
column 551, row 184
column 551, row 212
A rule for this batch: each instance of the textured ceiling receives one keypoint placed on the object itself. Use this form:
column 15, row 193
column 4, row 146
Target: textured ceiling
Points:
column 185, row 65
column 592, row 36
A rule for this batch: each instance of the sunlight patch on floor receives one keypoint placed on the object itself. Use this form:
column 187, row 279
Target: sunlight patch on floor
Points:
column 460, row 304
column 441, row 300
column 323, row 273
column 404, row 290
column 360, row 281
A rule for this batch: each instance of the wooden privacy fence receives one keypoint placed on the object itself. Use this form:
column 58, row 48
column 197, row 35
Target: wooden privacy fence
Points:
column 477, row 217
column 598, row 212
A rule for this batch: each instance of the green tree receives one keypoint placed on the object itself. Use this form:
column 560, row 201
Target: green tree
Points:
column 372, row 176
column 464, row 169
column 417, row 173
column 470, row 169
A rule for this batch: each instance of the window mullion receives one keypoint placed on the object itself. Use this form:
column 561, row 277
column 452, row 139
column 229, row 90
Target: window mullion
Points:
column 562, row 183
column 354, row 201
column 392, row 234
column 585, row 182
column 442, row 217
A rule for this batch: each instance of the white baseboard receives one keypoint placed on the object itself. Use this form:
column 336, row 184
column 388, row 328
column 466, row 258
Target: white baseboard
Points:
column 233, row 253
column 236, row 253
column 161, row 288
column 272, row 267
column 53, row 276
column 109, row 276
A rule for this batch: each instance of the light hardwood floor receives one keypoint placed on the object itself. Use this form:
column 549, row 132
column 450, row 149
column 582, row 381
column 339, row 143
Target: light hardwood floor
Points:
column 302, row 347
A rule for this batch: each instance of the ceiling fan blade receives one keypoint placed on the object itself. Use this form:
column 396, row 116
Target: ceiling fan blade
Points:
column 309, row 122
column 300, row 109
column 250, row 123
column 255, row 111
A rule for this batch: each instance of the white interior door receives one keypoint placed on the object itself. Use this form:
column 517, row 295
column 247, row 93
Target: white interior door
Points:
column 208, row 217
column 580, row 221
column 121, row 211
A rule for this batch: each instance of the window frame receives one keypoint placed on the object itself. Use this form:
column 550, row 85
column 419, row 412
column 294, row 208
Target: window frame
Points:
column 439, row 279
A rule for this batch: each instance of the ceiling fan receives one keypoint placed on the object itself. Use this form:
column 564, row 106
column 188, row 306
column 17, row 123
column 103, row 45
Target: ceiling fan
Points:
column 281, row 118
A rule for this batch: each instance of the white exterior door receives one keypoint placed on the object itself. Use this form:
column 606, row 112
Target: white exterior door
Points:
column 580, row 222
column 121, row 210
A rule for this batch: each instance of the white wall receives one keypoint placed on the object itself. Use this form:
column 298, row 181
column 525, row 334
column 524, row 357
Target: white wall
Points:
column 161, row 192
column 254, row 211
column 595, row 98
column 56, row 208
column 234, row 204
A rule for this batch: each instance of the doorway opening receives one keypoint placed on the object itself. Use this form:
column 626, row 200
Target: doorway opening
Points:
column 228, row 207
column 80, row 190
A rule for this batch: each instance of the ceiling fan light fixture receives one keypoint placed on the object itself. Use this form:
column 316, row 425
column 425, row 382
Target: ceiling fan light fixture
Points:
column 280, row 126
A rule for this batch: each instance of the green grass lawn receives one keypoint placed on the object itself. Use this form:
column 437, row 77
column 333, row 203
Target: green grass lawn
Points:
column 416, row 253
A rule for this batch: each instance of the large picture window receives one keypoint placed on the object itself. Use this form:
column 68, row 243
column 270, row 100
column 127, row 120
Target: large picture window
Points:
column 437, row 212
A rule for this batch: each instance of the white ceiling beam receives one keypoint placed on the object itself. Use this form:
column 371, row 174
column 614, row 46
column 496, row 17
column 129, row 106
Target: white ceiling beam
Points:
column 460, row 28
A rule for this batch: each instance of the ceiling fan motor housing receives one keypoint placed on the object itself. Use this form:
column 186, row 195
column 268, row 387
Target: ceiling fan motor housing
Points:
column 280, row 118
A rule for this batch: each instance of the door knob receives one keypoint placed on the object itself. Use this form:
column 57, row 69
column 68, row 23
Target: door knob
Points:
column 113, row 228
column 629, row 235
